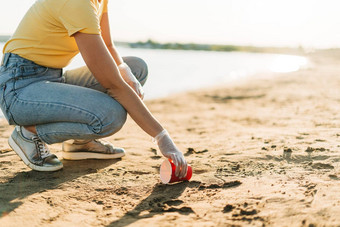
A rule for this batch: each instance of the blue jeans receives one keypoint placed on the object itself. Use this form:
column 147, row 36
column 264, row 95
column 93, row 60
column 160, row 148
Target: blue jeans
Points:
column 65, row 106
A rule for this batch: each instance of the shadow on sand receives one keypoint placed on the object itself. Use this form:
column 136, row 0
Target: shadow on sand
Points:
column 24, row 184
column 158, row 202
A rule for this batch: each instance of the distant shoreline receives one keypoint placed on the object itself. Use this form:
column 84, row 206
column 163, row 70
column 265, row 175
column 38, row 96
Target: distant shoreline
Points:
column 150, row 44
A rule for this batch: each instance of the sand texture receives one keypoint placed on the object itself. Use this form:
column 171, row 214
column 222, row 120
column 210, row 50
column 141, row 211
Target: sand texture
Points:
column 264, row 152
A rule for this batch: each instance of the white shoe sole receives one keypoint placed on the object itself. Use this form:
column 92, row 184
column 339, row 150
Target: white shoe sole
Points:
column 23, row 157
column 90, row 155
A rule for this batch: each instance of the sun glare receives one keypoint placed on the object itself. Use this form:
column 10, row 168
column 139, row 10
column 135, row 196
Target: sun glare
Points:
column 287, row 63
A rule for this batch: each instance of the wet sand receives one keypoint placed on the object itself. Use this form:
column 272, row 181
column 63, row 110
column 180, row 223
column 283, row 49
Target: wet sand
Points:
column 264, row 152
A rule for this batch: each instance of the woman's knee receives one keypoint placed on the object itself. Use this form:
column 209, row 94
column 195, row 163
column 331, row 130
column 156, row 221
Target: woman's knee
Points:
column 113, row 121
column 138, row 67
column 117, row 122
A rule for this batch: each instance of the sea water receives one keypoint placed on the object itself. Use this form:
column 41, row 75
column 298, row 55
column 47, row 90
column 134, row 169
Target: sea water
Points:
column 173, row 71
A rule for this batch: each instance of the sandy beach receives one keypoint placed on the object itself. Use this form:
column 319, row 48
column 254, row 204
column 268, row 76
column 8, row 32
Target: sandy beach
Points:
column 264, row 152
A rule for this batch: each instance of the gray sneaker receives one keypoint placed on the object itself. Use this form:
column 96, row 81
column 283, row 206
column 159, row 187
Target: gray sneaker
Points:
column 34, row 152
column 90, row 149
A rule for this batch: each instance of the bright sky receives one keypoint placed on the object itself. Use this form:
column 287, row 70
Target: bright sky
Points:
column 310, row 23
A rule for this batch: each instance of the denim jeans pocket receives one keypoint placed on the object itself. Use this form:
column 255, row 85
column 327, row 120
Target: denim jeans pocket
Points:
column 29, row 71
column 25, row 74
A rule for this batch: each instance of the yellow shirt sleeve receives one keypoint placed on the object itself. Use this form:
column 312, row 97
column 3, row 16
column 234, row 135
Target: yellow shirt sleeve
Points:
column 105, row 6
column 80, row 16
column 44, row 35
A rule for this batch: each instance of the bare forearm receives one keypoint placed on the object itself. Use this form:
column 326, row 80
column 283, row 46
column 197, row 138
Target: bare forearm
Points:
column 106, row 35
column 137, row 110
column 130, row 101
column 115, row 54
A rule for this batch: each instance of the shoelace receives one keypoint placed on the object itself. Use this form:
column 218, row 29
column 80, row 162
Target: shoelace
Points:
column 108, row 150
column 41, row 147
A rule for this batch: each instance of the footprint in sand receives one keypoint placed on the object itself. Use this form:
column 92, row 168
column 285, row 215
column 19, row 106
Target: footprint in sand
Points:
column 225, row 185
column 320, row 140
column 311, row 189
column 121, row 191
column 176, row 202
column 228, row 208
column 320, row 165
column 242, row 212
column 333, row 177
column 182, row 210
column 156, row 157
column 248, row 212
column 159, row 206
column 191, row 151
column 311, row 149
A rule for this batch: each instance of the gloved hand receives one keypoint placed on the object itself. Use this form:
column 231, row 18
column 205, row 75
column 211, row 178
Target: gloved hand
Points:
column 131, row 80
column 170, row 151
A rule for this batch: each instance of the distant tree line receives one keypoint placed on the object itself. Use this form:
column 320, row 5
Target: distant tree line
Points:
column 182, row 46
column 150, row 44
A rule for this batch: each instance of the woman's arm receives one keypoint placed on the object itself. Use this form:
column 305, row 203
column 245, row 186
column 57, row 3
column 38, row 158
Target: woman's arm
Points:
column 106, row 35
column 124, row 69
column 104, row 68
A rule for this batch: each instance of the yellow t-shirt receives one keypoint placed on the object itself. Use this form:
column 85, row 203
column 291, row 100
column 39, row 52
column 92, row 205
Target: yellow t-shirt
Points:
column 44, row 35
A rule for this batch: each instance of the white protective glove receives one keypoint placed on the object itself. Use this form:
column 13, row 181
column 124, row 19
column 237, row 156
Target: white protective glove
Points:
column 130, row 79
column 170, row 151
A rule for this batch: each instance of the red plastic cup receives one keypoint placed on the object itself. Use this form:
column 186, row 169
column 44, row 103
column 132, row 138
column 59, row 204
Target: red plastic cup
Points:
column 167, row 173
